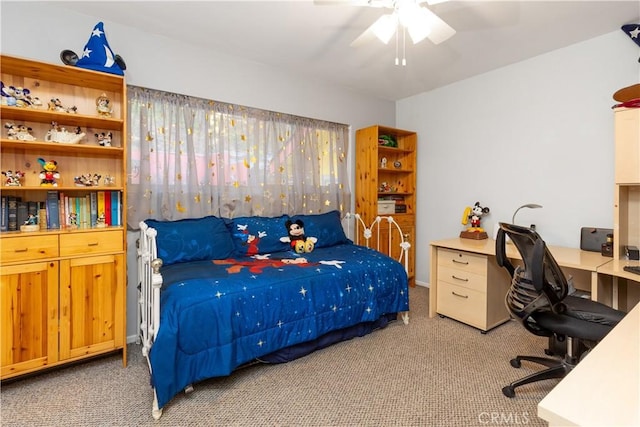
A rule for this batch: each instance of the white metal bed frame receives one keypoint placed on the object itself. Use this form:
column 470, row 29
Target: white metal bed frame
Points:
column 150, row 279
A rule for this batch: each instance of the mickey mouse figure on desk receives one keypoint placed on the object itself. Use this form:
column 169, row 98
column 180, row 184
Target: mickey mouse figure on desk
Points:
column 474, row 214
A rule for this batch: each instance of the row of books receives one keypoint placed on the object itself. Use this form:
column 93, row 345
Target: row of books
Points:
column 61, row 211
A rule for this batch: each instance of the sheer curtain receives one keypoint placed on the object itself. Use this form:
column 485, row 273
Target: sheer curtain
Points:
column 190, row 157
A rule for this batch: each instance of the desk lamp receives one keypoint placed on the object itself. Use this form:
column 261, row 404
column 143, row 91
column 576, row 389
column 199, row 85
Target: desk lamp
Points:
column 528, row 205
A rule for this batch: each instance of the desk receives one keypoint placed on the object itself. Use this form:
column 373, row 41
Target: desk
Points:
column 604, row 388
column 581, row 265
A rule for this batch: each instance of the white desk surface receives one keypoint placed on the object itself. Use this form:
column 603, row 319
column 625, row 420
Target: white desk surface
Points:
column 604, row 388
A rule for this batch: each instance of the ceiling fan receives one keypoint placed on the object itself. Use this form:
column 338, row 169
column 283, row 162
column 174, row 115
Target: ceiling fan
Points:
column 409, row 15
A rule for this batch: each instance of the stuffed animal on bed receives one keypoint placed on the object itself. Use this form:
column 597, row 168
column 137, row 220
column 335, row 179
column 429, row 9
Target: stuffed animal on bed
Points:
column 296, row 237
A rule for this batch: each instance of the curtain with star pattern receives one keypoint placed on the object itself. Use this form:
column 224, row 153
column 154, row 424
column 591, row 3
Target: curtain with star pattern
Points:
column 190, row 157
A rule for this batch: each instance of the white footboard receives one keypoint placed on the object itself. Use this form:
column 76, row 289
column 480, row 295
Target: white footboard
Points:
column 362, row 236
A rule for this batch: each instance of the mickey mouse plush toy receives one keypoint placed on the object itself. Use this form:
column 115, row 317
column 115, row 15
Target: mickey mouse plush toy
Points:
column 296, row 238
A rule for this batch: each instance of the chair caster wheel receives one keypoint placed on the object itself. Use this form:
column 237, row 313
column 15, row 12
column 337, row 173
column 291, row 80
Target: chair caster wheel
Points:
column 515, row 363
column 509, row 391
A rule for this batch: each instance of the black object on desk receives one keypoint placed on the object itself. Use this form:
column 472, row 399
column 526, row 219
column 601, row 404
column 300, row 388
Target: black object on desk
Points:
column 632, row 268
column 632, row 252
column 592, row 238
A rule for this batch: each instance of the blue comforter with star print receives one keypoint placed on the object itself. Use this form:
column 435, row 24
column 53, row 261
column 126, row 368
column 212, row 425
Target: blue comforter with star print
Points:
column 218, row 315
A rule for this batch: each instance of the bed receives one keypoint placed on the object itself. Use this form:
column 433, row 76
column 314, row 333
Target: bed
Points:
column 217, row 294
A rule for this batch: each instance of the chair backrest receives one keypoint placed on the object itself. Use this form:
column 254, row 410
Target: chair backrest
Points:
column 537, row 285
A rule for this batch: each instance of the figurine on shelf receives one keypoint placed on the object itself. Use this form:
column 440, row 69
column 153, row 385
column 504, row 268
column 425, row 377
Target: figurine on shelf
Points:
column 101, row 222
column 19, row 132
column 73, row 220
column 103, row 105
column 13, row 179
column 31, row 224
column 104, row 138
column 19, row 97
column 7, row 95
column 56, row 105
column 109, row 180
column 87, row 180
column 61, row 135
column 49, row 174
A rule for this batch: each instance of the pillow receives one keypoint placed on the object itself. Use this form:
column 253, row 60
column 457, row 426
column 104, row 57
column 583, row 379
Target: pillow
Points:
column 327, row 228
column 192, row 239
column 254, row 235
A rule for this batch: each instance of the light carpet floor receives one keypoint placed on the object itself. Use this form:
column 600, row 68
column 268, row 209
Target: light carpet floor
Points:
column 432, row 372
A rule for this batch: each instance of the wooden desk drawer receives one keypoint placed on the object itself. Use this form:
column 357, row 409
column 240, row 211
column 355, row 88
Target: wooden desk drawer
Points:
column 91, row 243
column 464, row 278
column 28, row 248
column 465, row 305
column 461, row 260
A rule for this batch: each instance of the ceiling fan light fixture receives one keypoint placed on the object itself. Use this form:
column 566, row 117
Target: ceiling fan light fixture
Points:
column 418, row 32
column 385, row 27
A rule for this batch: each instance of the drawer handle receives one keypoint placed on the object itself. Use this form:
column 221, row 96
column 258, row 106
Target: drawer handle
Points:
column 460, row 262
column 92, row 244
column 461, row 296
column 21, row 250
column 459, row 278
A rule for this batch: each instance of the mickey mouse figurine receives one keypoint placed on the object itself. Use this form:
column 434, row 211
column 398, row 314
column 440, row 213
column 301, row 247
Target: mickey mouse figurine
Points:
column 296, row 237
column 49, row 173
column 474, row 214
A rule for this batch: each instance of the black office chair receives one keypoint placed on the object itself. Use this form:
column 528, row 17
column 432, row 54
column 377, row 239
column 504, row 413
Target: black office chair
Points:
column 538, row 299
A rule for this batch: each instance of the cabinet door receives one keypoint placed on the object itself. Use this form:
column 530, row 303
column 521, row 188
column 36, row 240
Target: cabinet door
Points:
column 29, row 317
column 91, row 305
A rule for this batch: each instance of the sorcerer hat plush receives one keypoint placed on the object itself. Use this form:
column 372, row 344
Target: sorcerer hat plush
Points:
column 98, row 56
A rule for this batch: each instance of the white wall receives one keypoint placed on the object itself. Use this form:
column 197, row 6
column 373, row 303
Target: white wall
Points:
column 165, row 64
column 539, row 131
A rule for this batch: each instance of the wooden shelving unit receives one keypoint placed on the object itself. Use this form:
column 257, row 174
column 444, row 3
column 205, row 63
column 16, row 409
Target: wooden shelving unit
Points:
column 626, row 215
column 386, row 170
column 63, row 290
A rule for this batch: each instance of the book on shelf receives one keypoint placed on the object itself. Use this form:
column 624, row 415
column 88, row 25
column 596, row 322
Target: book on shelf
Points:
column 63, row 209
column 42, row 215
column 12, row 213
column 93, row 208
column 86, row 214
column 4, row 214
column 101, row 197
column 115, row 208
column 53, row 210
column 107, row 209
column 22, row 213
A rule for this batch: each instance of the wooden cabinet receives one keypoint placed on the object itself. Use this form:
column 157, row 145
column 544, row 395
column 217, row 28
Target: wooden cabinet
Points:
column 471, row 288
column 386, row 171
column 626, row 213
column 63, row 289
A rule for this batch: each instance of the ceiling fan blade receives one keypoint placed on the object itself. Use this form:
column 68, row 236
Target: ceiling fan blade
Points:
column 382, row 29
column 432, row 2
column 370, row 3
column 440, row 30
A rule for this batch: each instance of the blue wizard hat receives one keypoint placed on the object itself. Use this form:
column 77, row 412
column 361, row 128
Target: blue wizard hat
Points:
column 98, row 56
column 633, row 31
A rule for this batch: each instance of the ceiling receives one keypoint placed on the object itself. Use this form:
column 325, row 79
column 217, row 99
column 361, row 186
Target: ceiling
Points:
column 314, row 40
